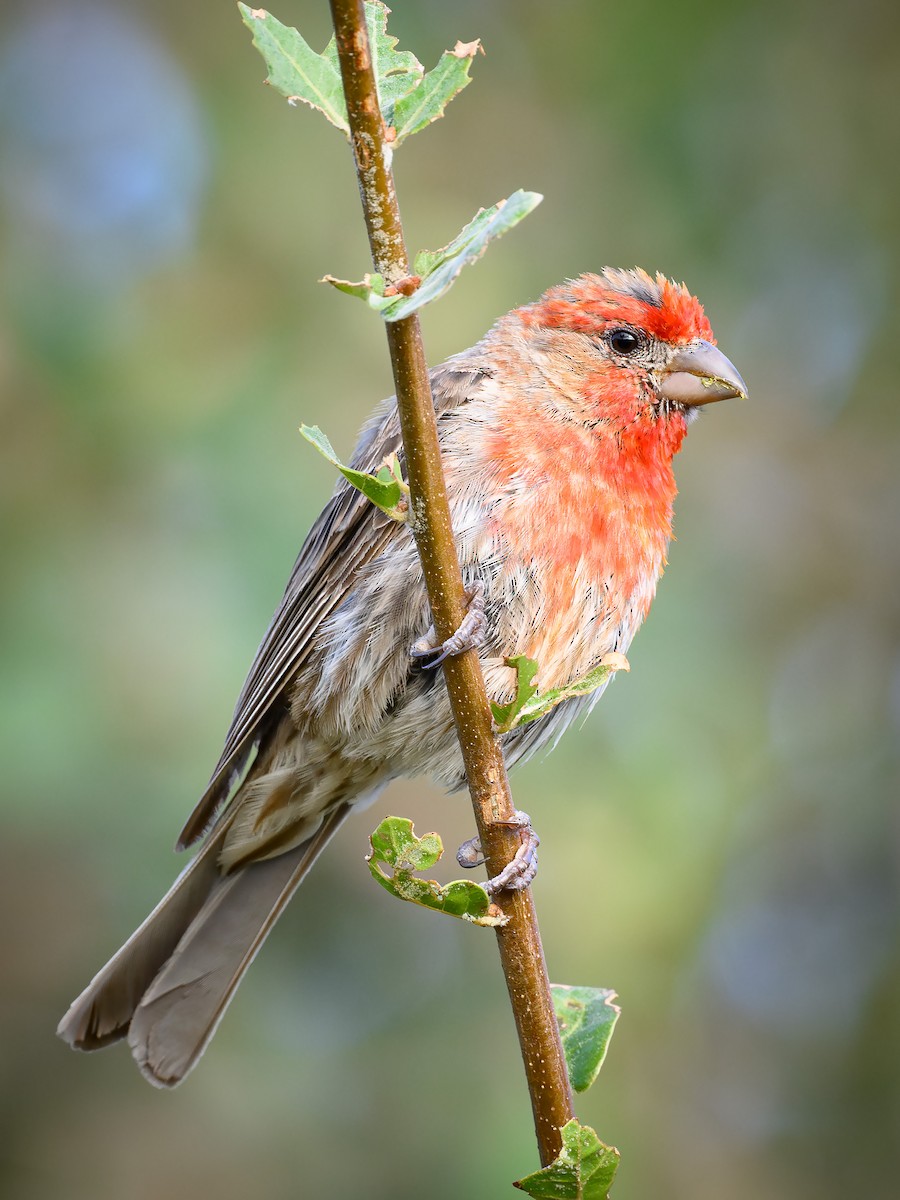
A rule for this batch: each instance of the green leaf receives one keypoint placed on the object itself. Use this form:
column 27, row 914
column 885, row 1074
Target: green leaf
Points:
column 444, row 265
column 295, row 70
column 438, row 269
column 395, row 845
column 386, row 489
column 541, row 704
column 587, row 1018
column 418, row 109
column 505, row 714
column 409, row 99
column 531, row 703
column 397, row 73
column 583, row 1170
column 369, row 285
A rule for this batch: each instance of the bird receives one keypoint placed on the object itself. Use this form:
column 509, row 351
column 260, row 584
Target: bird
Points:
column 558, row 432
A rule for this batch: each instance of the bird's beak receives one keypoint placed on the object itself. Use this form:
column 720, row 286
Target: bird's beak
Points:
column 700, row 373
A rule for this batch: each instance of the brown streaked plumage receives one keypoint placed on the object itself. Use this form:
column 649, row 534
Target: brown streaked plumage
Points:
column 557, row 434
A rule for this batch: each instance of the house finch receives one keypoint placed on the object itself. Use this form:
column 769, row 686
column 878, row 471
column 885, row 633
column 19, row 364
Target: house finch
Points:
column 557, row 432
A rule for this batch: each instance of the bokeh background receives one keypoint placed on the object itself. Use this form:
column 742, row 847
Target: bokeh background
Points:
column 720, row 840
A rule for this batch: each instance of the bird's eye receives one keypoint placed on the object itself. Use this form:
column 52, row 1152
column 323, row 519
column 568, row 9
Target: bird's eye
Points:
column 623, row 341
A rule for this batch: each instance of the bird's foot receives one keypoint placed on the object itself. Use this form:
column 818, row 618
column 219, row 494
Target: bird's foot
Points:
column 467, row 637
column 518, row 873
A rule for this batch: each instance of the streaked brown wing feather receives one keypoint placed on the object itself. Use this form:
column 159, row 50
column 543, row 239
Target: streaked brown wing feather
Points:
column 349, row 533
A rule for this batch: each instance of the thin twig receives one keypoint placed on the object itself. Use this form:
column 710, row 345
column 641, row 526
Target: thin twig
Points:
column 521, row 953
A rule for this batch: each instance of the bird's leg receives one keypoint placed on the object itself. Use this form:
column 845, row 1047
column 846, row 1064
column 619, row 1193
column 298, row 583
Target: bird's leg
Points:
column 467, row 637
column 518, row 873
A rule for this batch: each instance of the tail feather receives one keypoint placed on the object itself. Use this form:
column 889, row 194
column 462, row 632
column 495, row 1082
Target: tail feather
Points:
column 180, row 1011
column 169, row 985
column 102, row 1013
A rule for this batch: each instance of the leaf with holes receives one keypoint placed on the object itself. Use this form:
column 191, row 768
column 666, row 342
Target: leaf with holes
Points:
column 393, row 844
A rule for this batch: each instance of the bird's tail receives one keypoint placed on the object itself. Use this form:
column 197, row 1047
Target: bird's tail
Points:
column 168, row 986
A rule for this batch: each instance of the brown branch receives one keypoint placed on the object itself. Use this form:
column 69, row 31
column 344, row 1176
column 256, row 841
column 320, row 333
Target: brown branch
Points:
column 521, row 953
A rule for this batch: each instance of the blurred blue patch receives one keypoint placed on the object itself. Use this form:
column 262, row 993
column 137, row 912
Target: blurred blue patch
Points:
column 820, row 298
column 103, row 154
column 803, row 938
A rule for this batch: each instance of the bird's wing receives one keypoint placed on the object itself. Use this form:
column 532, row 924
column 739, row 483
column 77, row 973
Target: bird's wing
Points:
column 349, row 533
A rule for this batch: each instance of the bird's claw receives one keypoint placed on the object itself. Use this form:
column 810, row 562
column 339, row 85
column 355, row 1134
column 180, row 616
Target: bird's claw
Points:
column 467, row 637
column 520, row 871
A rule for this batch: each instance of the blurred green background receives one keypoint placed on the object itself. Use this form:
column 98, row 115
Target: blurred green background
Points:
column 720, row 840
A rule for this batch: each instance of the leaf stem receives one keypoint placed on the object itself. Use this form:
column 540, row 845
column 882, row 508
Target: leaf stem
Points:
column 519, row 941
